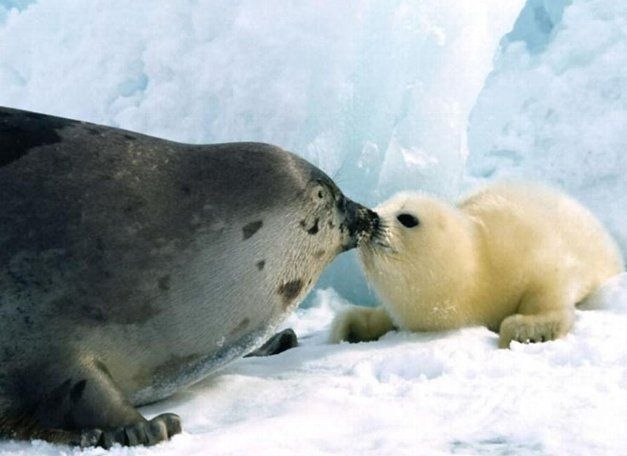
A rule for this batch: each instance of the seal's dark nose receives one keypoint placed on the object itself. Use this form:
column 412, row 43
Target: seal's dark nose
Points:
column 360, row 222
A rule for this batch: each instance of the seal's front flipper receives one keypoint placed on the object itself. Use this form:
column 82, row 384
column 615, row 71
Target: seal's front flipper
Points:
column 543, row 327
column 543, row 315
column 278, row 343
column 360, row 324
column 81, row 405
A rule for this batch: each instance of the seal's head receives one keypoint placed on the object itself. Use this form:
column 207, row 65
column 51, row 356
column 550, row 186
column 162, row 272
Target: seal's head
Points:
column 419, row 239
column 327, row 224
column 273, row 209
column 346, row 223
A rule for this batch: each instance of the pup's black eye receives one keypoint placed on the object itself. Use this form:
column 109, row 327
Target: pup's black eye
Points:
column 407, row 220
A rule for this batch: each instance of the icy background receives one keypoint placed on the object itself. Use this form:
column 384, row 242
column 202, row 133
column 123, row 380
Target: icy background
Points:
column 383, row 95
column 555, row 107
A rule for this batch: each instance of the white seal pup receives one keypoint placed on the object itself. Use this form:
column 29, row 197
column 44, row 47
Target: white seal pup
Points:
column 515, row 257
column 132, row 267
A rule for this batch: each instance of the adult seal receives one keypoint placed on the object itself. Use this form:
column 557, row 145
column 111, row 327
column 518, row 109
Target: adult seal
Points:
column 132, row 267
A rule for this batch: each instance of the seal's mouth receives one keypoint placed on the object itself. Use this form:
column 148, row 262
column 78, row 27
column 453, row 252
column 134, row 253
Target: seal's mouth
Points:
column 379, row 238
column 360, row 223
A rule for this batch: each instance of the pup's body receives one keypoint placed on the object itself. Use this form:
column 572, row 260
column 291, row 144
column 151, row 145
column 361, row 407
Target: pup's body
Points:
column 514, row 257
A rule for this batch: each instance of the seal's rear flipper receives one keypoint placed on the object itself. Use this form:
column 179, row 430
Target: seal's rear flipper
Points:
column 278, row 343
column 143, row 432
column 81, row 405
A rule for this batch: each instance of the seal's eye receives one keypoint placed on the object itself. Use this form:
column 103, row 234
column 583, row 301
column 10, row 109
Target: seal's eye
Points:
column 320, row 192
column 407, row 220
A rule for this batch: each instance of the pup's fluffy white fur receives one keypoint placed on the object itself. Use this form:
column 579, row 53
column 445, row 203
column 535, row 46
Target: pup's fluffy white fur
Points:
column 516, row 257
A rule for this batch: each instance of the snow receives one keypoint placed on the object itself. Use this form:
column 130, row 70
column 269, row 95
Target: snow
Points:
column 381, row 94
column 407, row 394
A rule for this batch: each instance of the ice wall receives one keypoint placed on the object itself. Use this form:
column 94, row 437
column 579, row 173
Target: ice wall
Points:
column 536, row 24
column 375, row 92
column 555, row 107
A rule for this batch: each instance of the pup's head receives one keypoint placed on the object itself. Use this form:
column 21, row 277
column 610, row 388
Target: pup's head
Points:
column 418, row 237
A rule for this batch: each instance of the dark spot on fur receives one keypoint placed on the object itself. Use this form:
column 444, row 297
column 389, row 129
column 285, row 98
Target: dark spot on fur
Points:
column 185, row 189
column 261, row 264
column 240, row 327
column 331, row 225
column 165, row 283
column 251, row 228
column 319, row 253
column 93, row 131
column 77, row 391
column 289, row 291
column 314, row 229
column 130, row 137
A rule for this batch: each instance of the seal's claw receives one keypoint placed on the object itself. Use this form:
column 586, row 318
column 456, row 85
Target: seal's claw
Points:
column 90, row 438
column 156, row 431
column 135, row 436
column 159, row 429
column 172, row 423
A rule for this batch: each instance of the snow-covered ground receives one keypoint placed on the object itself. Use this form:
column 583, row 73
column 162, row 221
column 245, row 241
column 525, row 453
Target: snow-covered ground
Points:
column 381, row 94
column 409, row 394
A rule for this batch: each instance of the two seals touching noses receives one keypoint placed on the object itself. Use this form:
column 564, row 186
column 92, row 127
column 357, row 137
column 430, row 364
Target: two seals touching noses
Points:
column 132, row 267
column 515, row 257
